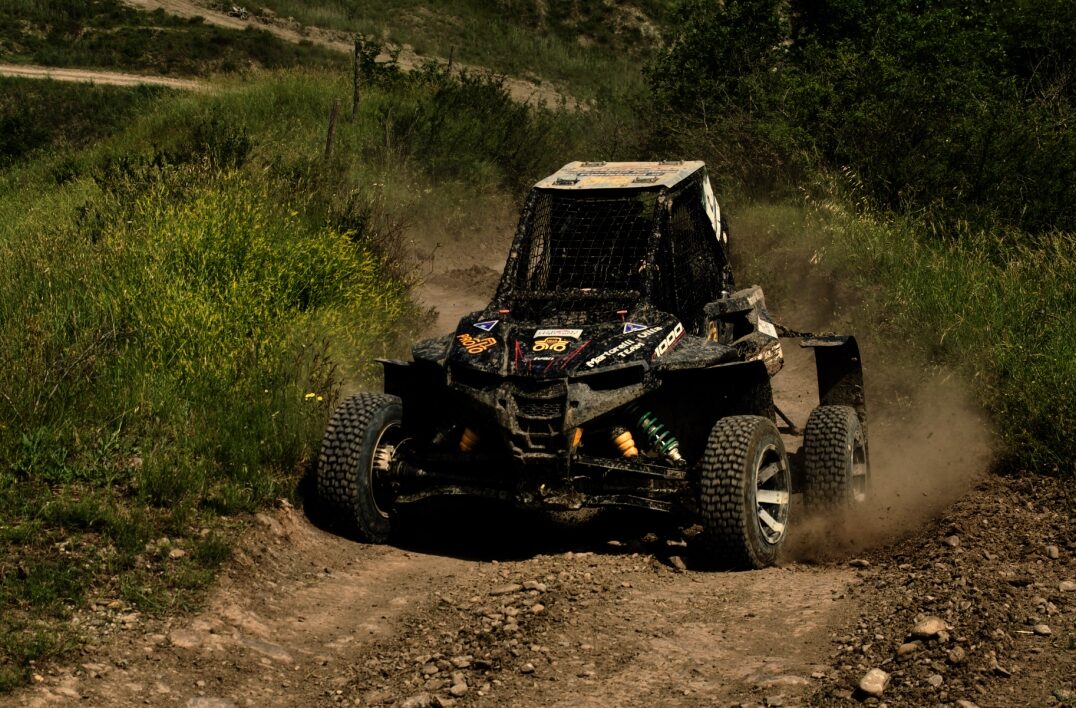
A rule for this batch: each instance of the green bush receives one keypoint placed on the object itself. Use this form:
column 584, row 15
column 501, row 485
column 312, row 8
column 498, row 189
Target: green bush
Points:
column 209, row 332
column 960, row 109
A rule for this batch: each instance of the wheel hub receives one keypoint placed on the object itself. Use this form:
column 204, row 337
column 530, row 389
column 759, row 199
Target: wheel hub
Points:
column 381, row 468
column 772, row 495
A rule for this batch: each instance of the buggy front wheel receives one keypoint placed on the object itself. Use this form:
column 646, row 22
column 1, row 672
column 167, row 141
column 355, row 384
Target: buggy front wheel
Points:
column 744, row 492
column 356, row 464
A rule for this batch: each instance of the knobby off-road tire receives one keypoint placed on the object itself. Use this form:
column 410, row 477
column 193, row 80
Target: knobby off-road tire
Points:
column 352, row 474
column 744, row 490
column 836, row 475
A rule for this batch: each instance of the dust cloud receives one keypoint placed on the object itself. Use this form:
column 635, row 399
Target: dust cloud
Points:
column 928, row 444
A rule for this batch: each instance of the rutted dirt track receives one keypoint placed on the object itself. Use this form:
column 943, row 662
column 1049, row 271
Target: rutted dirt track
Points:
column 476, row 605
column 308, row 618
column 110, row 78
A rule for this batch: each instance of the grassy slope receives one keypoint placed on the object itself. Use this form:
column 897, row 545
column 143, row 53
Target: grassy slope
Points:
column 594, row 48
column 108, row 34
column 181, row 302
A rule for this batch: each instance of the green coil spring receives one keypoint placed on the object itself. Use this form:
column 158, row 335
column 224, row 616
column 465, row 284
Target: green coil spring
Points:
column 660, row 437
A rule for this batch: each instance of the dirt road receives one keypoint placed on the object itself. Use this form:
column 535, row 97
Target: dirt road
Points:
column 503, row 612
column 290, row 31
column 110, row 78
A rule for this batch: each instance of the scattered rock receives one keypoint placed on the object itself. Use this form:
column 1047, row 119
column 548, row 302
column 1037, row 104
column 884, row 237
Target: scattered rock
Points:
column 527, row 668
column 997, row 668
column 957, row 655
column 859, row 563
column 909, row 648
column 534, row 585
column 874, row 682
column 1067, row 586
column 935, row 680
column 209, row 702
column 951, row 541
column 184, row 639
column 966, row 704
column 176, row 553
column 928, row 627
column 421, row 700
column 537, row 608
column 506, row 589
column 459, row 689
column 678, row 563
column 1052, row 552
column 1043, row 630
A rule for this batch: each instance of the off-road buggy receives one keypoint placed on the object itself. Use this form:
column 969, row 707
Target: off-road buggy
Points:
column 616, row 366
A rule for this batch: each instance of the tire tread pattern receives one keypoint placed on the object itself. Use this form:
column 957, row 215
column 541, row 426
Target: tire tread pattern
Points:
column 345, row 455
column 828, row 441
column 722, row 479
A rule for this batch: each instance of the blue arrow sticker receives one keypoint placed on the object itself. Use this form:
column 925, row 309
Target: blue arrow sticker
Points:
column 630, row 327
column 487, row 325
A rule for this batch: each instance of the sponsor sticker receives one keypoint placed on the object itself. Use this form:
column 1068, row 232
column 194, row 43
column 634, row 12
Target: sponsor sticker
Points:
column 475, row 345
column 569, row 333
column 767, row 328
column 629, row 346
column 630, row 327
column 670, row 339
column 591, row 363
column 553, row 344
column 488, row 325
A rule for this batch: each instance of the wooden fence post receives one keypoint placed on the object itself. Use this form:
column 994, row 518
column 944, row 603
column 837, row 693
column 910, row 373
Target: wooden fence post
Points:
column 331, row 135
column 357, row 78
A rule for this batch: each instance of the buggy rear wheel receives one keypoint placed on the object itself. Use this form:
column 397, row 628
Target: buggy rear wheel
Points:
column 836, row 473
column 744, row 492
column 355, row 466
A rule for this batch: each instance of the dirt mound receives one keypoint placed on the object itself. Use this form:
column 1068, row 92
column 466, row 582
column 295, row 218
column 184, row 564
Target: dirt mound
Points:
column 996, row 569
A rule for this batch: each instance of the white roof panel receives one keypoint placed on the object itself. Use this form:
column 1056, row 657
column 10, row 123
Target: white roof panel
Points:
column 620, row 175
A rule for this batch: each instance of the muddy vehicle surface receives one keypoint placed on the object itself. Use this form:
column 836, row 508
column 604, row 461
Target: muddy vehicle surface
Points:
column 617, row 365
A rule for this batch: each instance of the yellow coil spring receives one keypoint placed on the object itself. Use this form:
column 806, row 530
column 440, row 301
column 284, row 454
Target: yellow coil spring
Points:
column 624, row 441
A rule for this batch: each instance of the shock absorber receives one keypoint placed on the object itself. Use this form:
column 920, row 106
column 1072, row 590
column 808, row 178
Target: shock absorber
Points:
column 624, row 442
column 659, row 437
column 468, row 440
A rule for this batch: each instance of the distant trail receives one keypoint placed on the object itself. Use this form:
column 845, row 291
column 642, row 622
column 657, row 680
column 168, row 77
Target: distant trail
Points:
column 520, row 90
column 94, row 76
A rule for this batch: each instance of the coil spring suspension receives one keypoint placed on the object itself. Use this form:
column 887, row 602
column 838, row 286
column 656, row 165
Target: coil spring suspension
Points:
column 659, row 437
column 622, row 438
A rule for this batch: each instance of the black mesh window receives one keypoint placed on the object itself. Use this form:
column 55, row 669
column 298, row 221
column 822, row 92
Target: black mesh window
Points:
column 689, row 261
column 588, row 241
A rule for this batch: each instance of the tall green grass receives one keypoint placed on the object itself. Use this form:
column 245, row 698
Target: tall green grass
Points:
column 40, row 115
column 996, row 306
